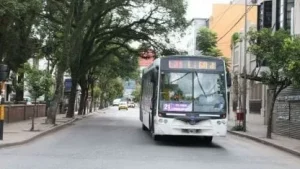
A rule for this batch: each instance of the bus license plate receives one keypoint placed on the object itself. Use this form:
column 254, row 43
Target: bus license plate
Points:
column 192, row 131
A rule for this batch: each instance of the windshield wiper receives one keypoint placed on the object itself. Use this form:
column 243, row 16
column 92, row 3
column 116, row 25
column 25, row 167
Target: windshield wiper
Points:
column 179, row 78
column 200, row 84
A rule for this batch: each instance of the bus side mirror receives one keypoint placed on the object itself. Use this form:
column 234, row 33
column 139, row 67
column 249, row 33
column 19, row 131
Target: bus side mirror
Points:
column 228, row 78
column 154, row 76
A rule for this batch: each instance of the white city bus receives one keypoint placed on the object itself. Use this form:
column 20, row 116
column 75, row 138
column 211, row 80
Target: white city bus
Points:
column 185, row 96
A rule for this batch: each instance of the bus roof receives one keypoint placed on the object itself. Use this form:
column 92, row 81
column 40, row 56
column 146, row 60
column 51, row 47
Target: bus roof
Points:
column 191, row 56
column 157, row 61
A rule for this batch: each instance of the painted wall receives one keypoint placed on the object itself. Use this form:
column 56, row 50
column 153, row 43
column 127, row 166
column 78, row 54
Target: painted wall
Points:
column 297, row 17
column 224, row 17
column 192, row 31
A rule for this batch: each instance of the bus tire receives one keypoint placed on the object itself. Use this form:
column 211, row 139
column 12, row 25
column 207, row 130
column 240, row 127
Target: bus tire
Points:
column 144, row 127
column 208, row 139
column 156, row 137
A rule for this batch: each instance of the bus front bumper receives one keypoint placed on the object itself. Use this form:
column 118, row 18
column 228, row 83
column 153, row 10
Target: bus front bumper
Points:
column 167, row 126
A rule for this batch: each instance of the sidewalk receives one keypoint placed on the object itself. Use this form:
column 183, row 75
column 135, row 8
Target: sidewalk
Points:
column 18, row 133
column 258, row 133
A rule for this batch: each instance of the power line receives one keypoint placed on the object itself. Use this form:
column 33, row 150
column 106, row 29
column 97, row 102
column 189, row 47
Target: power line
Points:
column 221, row 15
column 235, row 23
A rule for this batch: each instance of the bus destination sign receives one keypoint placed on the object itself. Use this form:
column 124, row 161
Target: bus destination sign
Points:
column 192, row 64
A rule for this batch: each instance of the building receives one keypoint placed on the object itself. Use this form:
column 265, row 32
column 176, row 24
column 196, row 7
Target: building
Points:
column 227, row 19
column 192, row 31
column 297, row 17
column 286, row 15
column 275, row 14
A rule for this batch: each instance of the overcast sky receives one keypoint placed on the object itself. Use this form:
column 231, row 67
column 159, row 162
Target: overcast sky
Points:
column 201, row 8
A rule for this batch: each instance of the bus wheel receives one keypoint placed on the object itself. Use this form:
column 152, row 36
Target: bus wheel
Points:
column 208, row 139
column 156, row 137
column 144, row 127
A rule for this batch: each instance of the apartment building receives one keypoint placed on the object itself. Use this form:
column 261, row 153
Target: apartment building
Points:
column 226, row 19
column 193, row 29
column 275, row 14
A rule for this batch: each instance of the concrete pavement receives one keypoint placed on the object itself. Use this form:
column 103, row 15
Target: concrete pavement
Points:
column 114, row 139
column 18, row 133
column 258, row 132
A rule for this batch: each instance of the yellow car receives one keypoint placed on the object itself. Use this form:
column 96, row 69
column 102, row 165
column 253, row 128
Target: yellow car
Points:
column 123, row 105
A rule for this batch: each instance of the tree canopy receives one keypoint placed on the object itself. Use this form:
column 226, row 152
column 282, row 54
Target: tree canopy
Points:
column 206, row 42
column 90, row 39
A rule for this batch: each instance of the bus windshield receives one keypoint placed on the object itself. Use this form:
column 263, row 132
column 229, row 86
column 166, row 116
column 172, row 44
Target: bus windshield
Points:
column 209, row 93
column 192, row 92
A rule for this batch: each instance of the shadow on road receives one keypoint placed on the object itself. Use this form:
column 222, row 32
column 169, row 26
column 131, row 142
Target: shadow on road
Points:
column 186, row 141
column 183, row 141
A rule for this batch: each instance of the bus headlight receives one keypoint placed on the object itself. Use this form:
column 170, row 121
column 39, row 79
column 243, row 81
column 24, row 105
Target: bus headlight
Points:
column 166, row 121
column 219, row 122
column 160, row 120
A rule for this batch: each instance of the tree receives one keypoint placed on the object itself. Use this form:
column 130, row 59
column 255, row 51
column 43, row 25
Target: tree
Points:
column 171, row 51
column 97, row 28
column 18, row 41
column 206, row 42
column 38, row 83
column 137, row 93
column 279, row 51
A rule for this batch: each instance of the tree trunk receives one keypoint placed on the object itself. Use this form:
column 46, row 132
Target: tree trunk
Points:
column 270, row 113
column 57, row 94
column 72, row 98
column 83, row 84
column 101, row 100
column 81, row 103
column 20, row 91
column 33, row 115
column 86, row 99
column 92, row 97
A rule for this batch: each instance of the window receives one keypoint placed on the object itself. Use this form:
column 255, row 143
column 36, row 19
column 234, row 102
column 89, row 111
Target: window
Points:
column 176, row 92
column 283, row 14
column 209, row 93
column 193, row 92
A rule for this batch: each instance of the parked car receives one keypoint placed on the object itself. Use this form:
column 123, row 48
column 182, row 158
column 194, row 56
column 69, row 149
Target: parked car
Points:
column 116, row 102
column 123, row 105
column 131, row 104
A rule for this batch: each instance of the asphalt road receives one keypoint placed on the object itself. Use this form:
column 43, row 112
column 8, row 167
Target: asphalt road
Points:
column 115, row 140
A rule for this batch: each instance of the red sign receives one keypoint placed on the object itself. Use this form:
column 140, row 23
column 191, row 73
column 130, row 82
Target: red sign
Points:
column 146, row 58
column 145, row 62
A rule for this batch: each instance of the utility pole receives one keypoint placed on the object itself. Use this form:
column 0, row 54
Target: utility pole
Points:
column 244, row 104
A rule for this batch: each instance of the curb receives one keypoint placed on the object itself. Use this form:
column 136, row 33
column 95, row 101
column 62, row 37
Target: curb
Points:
column 44, row 133
column 279, row 147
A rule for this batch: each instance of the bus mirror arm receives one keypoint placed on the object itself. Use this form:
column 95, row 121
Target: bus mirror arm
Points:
column 228, row 79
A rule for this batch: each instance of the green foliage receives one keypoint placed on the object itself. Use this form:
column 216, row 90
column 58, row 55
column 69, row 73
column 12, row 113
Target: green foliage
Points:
column 235, row 38
column 281, row 51
column 137, row 93
column 97, row 92
column 18, row 40
column 113, row 89
column 169, row 51
column 37, row 82
column 207, row 42
column 271, row 47
column 292, row 48
column 237, row 128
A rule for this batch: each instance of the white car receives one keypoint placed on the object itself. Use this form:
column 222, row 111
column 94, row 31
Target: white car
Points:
column 131, row 104
column 116, row 102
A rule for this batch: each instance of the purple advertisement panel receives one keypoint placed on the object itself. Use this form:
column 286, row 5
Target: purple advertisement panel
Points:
column 184, row 107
